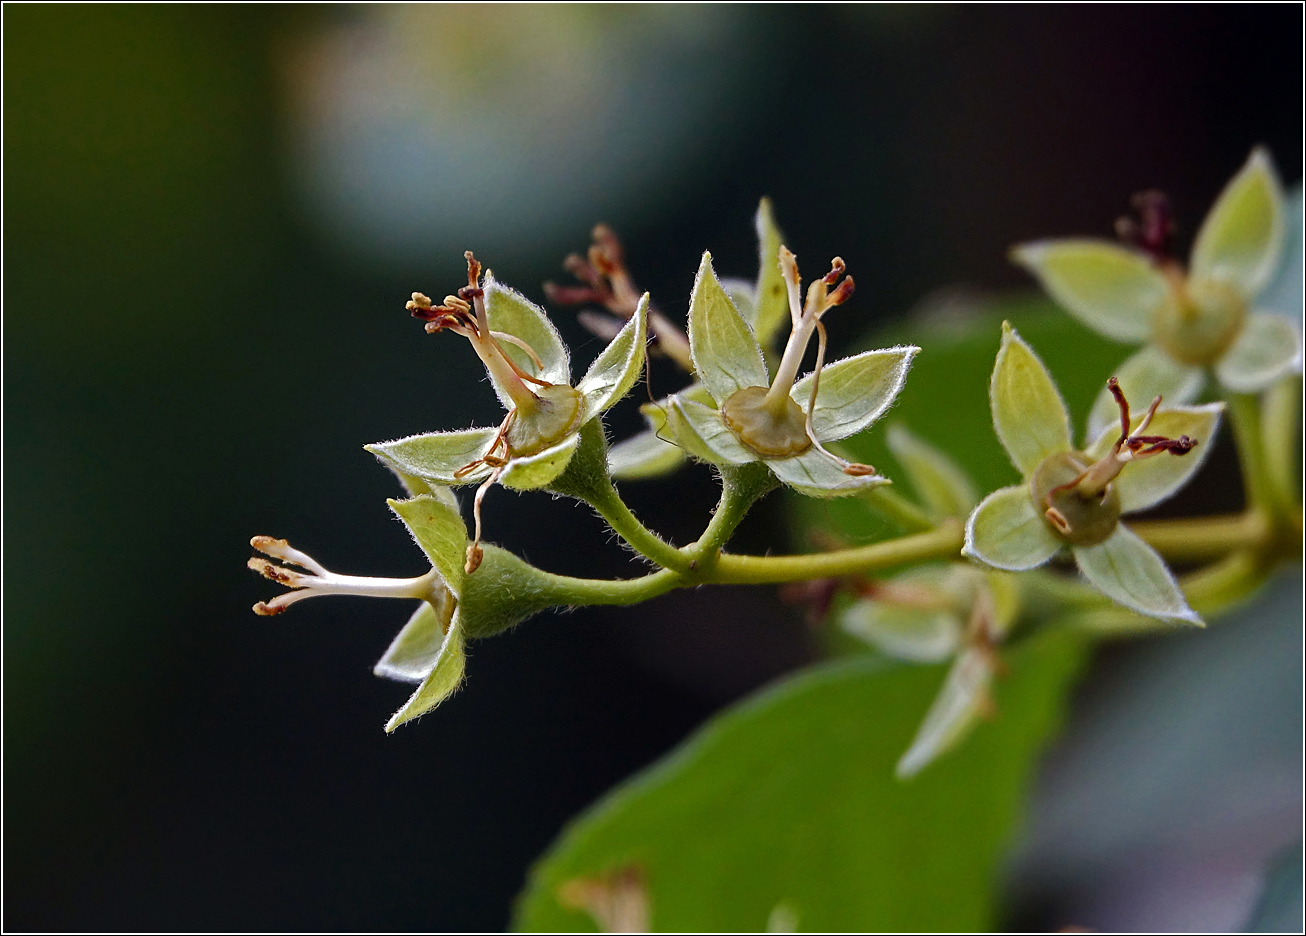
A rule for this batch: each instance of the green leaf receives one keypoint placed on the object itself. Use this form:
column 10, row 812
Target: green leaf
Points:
column 854, row 392
column 818, row 475
column 1110, row 288
column 1143, row 377
column 617, row 369
column 789, row 798
column 1242, row 236
column 1143, row 484
column 1007, row 532
column 416, row 650
column 532, row 472
column 937, row 479
column 1268, row 348
column 435, row 457
column 771, row 296
column 445, row 677
column 1131, row 573
column 701, row 432
column 726, row 357
column 953, row 713
column 510, row 312
column 644, row 455
column 1028, row 415
column 439, row 529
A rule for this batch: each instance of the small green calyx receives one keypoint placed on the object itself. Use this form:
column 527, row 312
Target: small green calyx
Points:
column 553, row 416
column 1078, row 519
column 1199, row 320
column 770, row 430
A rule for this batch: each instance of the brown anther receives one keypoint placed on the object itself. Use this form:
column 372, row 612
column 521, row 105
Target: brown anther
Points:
column 605, row 239
column 842, row 293
column 420, row 301
column 474, row 556
column 858, row 470
column 1057, row 519
column 261, row 543
column 837, row 266
column 473, row 270
column 263, row 609
column 470, row 293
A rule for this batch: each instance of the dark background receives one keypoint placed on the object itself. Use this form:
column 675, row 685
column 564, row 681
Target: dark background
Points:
column 203, row 324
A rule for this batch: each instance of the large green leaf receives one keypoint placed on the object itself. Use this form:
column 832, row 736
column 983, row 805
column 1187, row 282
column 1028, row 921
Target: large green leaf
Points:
column 789, row 801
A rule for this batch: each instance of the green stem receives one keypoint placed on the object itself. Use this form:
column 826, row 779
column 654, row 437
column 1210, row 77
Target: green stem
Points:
column 1245, row 415
column 942, row 543
column 898, row 509
column 740, row 489
column 587, row 479
column 1203, row 537
column 1281, row 422
column 565, row 591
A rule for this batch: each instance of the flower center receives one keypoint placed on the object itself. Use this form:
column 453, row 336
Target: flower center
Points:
column 1078, row 519
column 1199, row 319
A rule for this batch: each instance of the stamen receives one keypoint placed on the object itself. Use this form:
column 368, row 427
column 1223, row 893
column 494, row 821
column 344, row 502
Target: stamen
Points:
column 474, row 552
column 322, row 581
column 855, row 469
column 793, row 285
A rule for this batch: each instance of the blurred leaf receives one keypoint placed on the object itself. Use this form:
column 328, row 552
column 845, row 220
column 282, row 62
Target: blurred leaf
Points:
column 939, row 481
column 1268, row 348
column 789, row 798
column 771, row 301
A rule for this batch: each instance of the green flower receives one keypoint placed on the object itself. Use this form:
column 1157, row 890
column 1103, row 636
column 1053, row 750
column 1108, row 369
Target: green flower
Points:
column 429, row 648
column 932, row 614
column 764, row 306
column 1075, row 498
column 782, row 422
column 530, row 370
column 1194, row 320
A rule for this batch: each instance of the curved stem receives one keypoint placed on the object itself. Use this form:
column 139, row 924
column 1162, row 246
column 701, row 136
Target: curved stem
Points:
column 740, row 489
column 945, row 542
column 1203, row 537
column 565, row 591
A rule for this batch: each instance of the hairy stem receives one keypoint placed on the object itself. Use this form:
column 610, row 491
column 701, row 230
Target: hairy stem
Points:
column 945, row 542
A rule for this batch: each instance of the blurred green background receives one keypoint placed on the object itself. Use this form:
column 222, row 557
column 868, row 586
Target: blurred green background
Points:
column 212, row 218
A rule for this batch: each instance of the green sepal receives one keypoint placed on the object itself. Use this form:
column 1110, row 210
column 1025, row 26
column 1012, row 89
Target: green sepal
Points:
column 726, row 356
column 615, row 371
column 435, row 457
column 744, row 295
column 510, row 312
column 504, row 591
column 1242, row 237
column 938, row 480
column 1028, row 414
column 953, row 713
column 771, row 299
column 1111, row 289
column 1268, row 348
column 1143, row 484
column 818, row 475
column 444, row 679
column 439, row 530
column 854, row 392
column 1142, row 377
column 1007, row 532
column 929, row 633
column 701, row 432
column 1133, row 574
column 532, row 472
column 419, row 646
